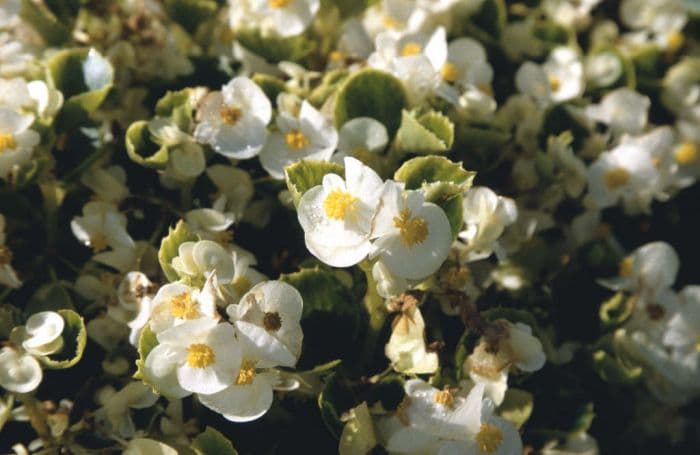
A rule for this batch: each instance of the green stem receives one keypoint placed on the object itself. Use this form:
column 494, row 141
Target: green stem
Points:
column 374, row 304
column 186, row 196
column 37, row 417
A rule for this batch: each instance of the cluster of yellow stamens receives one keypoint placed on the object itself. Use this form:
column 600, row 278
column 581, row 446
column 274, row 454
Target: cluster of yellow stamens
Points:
column 413, row 229
column 339, row 204
column 183, row 307
column 411, row 49
column 200, row 355
column 296, row 140
column 445, row 398
column 247, row 373
column 616, row 178
column 7, row 142
column 230, row 115
column 686, row 153
column 489, row 438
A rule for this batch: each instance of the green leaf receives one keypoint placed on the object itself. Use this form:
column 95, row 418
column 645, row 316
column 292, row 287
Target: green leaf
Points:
column 275, row 49
column 332, row 320
column 10, row 317
column 190, row 13
column 335, row 399
column 329, row 84
column 491, row 17
column 147, row 341
column 448, row 196
column 306, row 174
column 44, row 22
column 142, row 149
column 83, row 76
column 271, row 85
column 50, row 297
column 74, row 338
column 616, row 310
column 551, row 33
column 428, row 169
column 6, row 405
column 371, row 93
column 358, row 433
column 178, row 107
column 611, row 369
column 517, row 406
column 211, row 442
column 169, row 248
column 430, row 133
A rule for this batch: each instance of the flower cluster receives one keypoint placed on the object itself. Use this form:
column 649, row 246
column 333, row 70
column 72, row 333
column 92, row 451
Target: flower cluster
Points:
column 401, row 226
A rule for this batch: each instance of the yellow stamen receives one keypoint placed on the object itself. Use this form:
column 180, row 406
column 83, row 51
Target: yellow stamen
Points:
column 183, row 307
column 675, row 41
column 230, row 115
column 449, row 72
column 296, row 140
column 389, row 22
column 272, row 321
column 413, row 229
column 445, row 398
column 626, row 267
column 554, row 82
column 339, row 204
column 247, row 373
column 616, row 177
column 686, row 153
column 7, row 142
column 98, row 242
column 410, row 49
column 336, row 56
column 200, row 355
column 489, row 438
column 697, row 346
column 279, row 3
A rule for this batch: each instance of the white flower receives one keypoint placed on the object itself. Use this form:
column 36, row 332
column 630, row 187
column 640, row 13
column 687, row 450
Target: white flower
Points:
column 186, row 158
column 663, row 19
column 101, row 226
column 683, row 332
column 559, row 79
column 406, row 347
column 416, row 59
column 43, row 333
column 413, row 237
column 310, row 135
column 570, row 13
column 486, row 215
column 268, row 318
column 233, row 183
column 199, row 259
column 244, row 278
column 234, row 121
column 108, row 184
column 199, row 356
column 251, row 393
column 211, row 223
column 337, row 215
column 623, row 110
column 47, row 100
column 19, row 373
column 649, row 270
column 439, row 421
column 388, row 284
column 176, row 303
column 626, row 172
column 360, row 138
column 603, row 69
column 285, row 17
column 14, row 93
column 17, row 141
column 467, row 70
column 116, row 410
